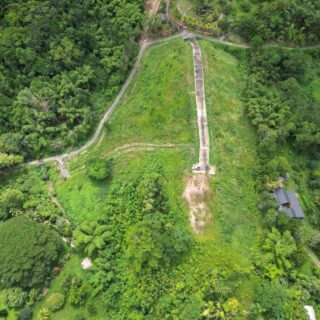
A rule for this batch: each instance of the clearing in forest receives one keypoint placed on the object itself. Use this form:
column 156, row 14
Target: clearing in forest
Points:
column 158, row 107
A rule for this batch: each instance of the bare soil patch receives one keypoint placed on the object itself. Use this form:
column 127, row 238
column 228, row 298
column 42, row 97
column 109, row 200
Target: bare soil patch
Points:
column 153, row 6
column 195, row 193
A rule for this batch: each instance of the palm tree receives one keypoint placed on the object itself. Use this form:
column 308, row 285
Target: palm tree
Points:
column 43, row 314
column 91, row 237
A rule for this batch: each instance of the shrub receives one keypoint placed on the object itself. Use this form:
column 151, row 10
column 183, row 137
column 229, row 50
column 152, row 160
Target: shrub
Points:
column 43, row 314
column 25, row 314
column 15, row 297
column 3, row 313
column 55, row 302
column 99, row 169
column 28, row 252
column 245, row 6
column 77, row 292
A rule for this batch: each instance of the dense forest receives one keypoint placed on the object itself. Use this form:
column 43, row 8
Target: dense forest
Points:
column 57, row 58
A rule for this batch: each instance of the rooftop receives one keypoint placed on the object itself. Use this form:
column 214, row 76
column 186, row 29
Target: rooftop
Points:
column 288, row 203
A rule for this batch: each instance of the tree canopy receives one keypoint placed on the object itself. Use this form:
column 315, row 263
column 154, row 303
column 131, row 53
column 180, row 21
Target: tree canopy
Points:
column 28, row 252
column 53, row 56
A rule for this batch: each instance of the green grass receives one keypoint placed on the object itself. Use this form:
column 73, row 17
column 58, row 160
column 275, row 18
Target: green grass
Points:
column 233, row 140
column 11, row 315
column 81, row 197
column 158, row 107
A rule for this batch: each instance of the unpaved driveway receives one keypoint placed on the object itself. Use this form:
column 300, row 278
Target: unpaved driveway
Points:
column 196, row 193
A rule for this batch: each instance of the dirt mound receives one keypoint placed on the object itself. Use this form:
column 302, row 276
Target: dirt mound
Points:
column 195, row 193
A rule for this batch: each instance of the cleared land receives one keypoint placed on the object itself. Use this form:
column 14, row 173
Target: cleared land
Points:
column 158, row 107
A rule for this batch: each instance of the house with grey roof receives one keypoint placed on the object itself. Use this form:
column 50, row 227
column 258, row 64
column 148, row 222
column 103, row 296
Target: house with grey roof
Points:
column 288, row 203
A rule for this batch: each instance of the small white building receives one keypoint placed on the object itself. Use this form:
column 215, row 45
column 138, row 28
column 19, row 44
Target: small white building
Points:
column 311, row 312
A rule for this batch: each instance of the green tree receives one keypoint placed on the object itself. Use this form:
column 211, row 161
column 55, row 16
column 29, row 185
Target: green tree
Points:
column 9, row 160
column 279, row 248
column 28, row 252
column 15, row 297
column 100, row 169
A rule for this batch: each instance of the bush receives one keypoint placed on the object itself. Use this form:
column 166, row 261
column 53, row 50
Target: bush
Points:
column 245, row 6
column 25, row 314
column 15, row 297
column 76, row 295
column 11, row 199
column 3, row 313
column 91, row 309
column 99, row 169
column 55, row 302
column 28, row 252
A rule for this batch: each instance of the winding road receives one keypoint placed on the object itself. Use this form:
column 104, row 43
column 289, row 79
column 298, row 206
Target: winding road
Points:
column 60, row 158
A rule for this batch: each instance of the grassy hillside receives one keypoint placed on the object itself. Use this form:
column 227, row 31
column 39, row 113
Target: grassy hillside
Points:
column 234, row 203
column 157, row 108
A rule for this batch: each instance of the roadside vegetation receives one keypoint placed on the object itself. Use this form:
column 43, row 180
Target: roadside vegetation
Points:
column 287, row 21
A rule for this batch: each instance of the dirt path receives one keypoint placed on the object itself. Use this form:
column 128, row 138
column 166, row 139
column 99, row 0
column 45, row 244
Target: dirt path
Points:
column 195, row 194
column 313, row 257
column 54, row 198
column 147, row 146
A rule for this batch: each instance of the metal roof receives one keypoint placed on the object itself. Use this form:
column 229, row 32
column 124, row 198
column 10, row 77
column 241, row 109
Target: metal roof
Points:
column 288, row 203
column 281, row 196
column 295, row 205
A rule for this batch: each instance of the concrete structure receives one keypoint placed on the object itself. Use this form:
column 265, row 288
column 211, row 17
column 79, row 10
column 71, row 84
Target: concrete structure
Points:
column 203, row 166
column 311, row 313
